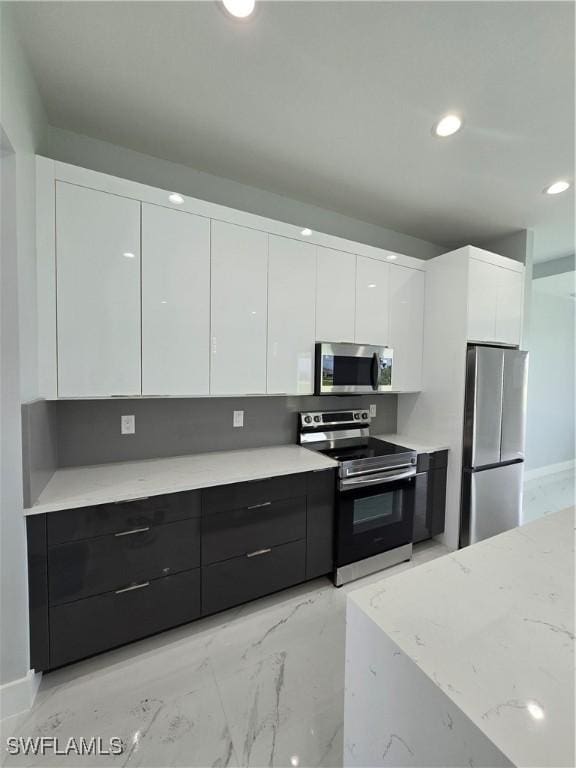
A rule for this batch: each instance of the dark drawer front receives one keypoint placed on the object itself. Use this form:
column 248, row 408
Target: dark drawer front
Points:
column 74, row 524
column 226, row 497
column 99, row 623
column 244, row 578
column 80, row 569
column 241, row 531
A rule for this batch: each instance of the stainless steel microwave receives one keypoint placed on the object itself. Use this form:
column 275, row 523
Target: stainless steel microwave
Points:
column 352, row 368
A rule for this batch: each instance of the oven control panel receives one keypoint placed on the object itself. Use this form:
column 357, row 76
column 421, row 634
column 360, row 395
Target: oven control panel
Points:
column 354, row 417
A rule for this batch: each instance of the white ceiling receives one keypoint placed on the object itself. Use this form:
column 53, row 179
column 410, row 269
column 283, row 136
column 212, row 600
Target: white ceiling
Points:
column 333, row 103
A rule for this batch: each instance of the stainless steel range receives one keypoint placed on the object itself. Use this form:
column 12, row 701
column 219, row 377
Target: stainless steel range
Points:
column 375, row 494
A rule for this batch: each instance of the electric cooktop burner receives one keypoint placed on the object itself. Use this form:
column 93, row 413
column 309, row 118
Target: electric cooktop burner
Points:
column 371, row 449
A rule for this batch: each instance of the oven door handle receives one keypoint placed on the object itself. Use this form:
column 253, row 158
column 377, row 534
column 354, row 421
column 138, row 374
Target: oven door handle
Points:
column 362, row 472
column 359, row 482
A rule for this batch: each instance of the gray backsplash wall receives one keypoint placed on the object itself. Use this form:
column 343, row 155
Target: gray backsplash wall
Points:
column 39, row 447
column 88, row 431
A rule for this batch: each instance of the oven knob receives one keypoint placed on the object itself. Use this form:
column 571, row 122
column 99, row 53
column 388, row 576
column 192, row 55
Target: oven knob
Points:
column 356, row 415
column 308, row 419
column 364, row 415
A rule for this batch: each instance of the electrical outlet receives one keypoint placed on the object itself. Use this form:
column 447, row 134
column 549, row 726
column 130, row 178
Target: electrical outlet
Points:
column 127, row 425
column 238, row 419
column 372, row 410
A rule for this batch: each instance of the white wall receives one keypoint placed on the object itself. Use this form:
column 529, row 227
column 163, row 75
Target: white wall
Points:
column 22, row 121
column 102, row 156
column 551, row 394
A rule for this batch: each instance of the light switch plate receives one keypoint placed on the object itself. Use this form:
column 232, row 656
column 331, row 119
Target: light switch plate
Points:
column 238, row 419
column 127, row 425
column 373, row 410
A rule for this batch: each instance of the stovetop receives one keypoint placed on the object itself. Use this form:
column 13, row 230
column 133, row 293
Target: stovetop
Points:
column 371, row 449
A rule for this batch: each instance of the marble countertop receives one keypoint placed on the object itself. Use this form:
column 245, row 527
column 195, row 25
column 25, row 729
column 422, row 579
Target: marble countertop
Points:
column 84, row 486
column 493, row 626
column 414, row 443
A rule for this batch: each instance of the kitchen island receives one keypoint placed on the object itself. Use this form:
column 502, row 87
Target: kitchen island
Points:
column 467, row 660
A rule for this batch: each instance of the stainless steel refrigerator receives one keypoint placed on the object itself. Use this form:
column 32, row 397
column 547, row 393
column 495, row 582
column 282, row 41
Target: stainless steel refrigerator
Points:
column 493, row 447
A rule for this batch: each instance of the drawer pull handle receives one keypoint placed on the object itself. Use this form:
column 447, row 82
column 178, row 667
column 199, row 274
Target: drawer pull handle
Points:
column 257, row 506
column 134, row 586
column 134, row 530
column 259, row 552
column 129, row 501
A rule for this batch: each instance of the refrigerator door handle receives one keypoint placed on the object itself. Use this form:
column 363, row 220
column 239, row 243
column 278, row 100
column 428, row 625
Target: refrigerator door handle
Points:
column 514, row 399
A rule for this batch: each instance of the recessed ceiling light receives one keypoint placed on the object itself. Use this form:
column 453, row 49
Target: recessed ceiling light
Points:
column 535, row 710
column 448, row 125
column 240, row 9
column 306, row 232
column 371, row 285
column 392, row 256
column 176, row 198
column 129, row 255
column 557, row 187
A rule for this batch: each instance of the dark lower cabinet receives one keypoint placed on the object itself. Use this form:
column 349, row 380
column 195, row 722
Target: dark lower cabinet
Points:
column 73, row 524
column 320, row 523
column 96, row 624
column 101, row 577
column 84, row 568
column 236, row 581
column 236, row 532
column 430, row 500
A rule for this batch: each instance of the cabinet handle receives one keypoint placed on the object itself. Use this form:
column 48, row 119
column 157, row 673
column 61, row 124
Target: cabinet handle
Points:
column 135, row 586
column 128, row 501
column 257, row 506
column 134, row 530
column 259, row 552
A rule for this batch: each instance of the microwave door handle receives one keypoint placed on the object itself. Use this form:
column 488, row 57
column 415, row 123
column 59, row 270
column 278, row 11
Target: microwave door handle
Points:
column 374, row 371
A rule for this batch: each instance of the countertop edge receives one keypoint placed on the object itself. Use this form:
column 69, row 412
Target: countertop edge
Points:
column 318, row 463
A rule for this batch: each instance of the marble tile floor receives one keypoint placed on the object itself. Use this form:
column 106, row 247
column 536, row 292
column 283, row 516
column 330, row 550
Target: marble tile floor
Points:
column 551, row 493
column 259, row 685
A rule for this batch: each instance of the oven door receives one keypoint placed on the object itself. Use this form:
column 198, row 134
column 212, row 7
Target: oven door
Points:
column 352, row 368
column 374, row 516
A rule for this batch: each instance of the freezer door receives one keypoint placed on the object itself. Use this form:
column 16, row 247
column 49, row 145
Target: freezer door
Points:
column 514, row 396
column 495, row 501
column 483, row 411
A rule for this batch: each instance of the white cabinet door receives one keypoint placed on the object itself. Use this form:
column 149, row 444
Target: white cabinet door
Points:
column 175, row 302
column 509, row 307
column 335, row 295
column 406, row 326
column 482, row 299
column 98, row 293
column 291, row 316
column 372, row 302
column 239, row 307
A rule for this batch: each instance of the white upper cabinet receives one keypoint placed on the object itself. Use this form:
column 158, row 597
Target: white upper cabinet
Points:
column 495, row 303
column 175, row 302
column 482, row 297
column 372, row 302
column 335, row 295
column 291, row 316
column 239, row 310
column 98, row 293
column 140, row 297
column 509, row 307
column 407, row 326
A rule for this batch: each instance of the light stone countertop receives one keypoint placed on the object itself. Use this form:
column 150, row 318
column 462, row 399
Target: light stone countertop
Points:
column 75, row 487
column 415, row 444
column 492, row 626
